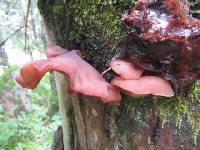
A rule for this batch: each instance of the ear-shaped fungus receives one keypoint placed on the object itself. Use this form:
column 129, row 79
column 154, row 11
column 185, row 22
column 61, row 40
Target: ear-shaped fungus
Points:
column 83, row 77
column 145, row 85
column 126, row 69
column 131, row 81
column 54, row 51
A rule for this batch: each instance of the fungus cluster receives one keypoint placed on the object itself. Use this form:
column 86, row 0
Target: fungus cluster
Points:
column 164, row 39
column 159, row 55
column 84, row 79
column 132, row 81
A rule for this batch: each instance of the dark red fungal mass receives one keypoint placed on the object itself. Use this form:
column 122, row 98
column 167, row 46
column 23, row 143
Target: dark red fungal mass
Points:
column 164, row 39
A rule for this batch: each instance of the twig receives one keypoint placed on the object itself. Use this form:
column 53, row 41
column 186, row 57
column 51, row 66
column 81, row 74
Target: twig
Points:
column 25, row 24
column 107, row 70
column 4, row 41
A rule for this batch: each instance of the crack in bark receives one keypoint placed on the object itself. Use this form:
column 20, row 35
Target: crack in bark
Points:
column 85, row 126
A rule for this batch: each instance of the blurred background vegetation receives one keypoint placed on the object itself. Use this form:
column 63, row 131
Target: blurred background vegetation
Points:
column 28, row 119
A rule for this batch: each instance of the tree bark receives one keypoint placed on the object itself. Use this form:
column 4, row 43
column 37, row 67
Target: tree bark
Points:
column 4, row 58
column 88, row 124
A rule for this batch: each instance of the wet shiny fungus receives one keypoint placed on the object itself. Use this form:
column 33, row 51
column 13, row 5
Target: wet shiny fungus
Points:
column 164, row 39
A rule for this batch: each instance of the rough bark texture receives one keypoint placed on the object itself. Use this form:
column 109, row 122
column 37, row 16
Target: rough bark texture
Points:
column 58, row 140
column 88, row 124
column 64, row 107
column 4, row 58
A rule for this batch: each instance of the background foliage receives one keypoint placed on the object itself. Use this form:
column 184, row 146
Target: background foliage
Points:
column 30, row 128
column 28, row 119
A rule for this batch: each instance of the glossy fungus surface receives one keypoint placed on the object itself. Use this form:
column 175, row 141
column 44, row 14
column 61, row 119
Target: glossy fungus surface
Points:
column 164, row 39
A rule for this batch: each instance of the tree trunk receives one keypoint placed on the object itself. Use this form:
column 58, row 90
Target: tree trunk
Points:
column 88, row 124
column 4, row 58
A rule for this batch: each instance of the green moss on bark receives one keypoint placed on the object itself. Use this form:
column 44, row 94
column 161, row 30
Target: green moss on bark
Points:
column 56, row 15
column 91, row 26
